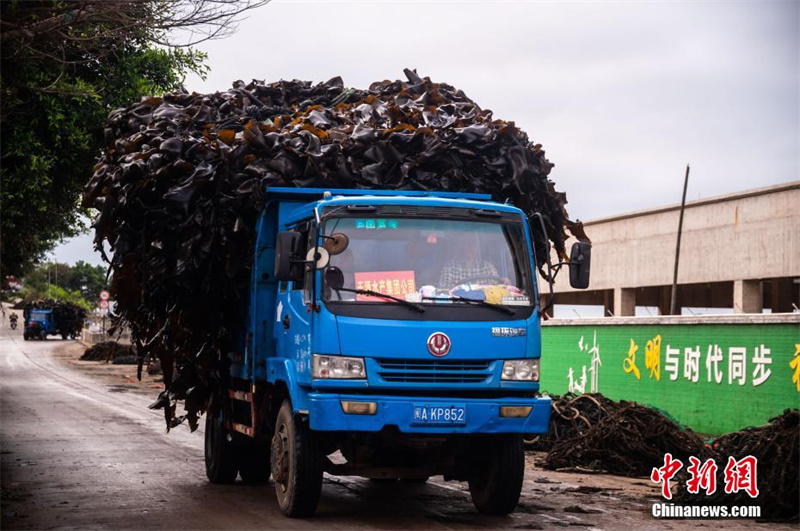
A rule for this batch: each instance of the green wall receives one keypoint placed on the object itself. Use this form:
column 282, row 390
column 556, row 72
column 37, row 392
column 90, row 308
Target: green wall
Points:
column 742, row 389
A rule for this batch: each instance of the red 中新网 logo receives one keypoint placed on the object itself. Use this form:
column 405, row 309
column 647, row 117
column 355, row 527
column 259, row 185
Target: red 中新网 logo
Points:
column 439, row 344
column 739, row 475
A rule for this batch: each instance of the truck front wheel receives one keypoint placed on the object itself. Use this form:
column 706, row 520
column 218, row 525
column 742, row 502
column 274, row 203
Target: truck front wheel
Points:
column 296, row 461
column 220, row 452
column 498, row 468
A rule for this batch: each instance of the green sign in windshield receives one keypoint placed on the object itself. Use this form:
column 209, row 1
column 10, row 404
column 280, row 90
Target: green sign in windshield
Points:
column 376, row 224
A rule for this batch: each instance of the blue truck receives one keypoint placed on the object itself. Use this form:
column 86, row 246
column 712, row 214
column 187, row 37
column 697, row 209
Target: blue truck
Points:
column 392, row 335
column 43, row 322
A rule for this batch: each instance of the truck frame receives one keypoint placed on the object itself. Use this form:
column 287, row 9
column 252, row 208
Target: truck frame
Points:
column 360, row 371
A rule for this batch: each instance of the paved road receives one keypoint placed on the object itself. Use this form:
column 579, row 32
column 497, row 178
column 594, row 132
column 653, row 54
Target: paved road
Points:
column 76, row 453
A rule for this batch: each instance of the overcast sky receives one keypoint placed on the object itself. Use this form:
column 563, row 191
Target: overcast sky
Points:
column 621, row 94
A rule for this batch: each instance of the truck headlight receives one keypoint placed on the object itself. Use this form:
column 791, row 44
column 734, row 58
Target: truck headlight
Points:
column 521, row 370
column 338, row 367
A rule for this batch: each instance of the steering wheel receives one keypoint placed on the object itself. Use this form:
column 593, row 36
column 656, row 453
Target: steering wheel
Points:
column 496, row 278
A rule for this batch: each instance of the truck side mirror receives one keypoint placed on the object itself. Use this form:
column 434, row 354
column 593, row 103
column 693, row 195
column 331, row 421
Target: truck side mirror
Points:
column 287, row 248
column 336, row 244
column 580, row 259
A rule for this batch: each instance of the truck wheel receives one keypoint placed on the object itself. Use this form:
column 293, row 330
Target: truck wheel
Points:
column 254, row 462
column 64, row 336
column 25, row 337
column 497, row 471
column 296, row 464
column 43, row 335
column 220, row 452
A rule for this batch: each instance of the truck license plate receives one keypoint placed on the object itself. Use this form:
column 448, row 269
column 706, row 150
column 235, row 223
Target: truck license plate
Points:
column 440, row 415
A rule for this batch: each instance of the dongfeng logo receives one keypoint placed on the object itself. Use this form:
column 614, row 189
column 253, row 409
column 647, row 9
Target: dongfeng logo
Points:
column 439, row 344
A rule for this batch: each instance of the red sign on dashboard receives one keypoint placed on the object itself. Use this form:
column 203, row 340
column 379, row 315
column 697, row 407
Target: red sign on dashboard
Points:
column 395, row 283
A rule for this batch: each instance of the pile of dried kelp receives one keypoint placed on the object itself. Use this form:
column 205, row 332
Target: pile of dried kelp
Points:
column 591, row 431
column 68, row 317
column 622, row 438
column 183, row 178
column 111, row 351
column 570, row 416
column 776, row 446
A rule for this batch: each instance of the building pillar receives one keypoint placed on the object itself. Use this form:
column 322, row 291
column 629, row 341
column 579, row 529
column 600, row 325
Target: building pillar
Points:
column 748, row 296
column 665, row 300
column 624, row 302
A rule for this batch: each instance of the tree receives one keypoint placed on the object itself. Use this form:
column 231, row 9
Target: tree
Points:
column 80, row 284
column 87, row 279
column 65, row 65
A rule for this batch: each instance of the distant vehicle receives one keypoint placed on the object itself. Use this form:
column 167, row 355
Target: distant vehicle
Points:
column 40, row 323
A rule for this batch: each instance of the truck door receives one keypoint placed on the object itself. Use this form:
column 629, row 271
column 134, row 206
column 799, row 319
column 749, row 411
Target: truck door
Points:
column 294, row 323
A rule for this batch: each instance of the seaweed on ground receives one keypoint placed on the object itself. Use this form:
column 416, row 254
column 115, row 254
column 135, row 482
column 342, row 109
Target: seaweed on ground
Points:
column 622, row 438
column 111, row 351
column 776, row 447
column 570, row 416
column 593, row 432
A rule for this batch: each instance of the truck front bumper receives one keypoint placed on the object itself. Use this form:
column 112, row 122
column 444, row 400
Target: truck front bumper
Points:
column 482, row 415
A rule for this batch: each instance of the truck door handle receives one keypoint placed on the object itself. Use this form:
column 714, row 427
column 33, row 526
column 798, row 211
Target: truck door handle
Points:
column 287, row 321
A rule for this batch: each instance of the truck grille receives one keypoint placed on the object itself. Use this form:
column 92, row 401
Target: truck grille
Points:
column 434, row 371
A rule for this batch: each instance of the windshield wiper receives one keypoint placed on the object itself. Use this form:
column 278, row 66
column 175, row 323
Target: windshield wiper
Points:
column 477, row 302
column 412, row 305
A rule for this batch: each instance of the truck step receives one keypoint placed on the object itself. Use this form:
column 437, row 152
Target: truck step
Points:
column 243, row 396
column 241, row 428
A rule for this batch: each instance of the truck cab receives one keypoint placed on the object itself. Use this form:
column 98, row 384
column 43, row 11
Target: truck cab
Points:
column 39, row 324
column 392, row 335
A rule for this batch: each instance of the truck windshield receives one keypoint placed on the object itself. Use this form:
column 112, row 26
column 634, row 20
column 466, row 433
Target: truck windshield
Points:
column 431, row 261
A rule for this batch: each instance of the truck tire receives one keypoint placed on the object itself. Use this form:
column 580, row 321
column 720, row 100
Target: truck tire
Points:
column 497, row 472
column 43, row 335
column 296, row 461
column 254, row 462
column 220, row 453
column 64, row 336
column 25, row 337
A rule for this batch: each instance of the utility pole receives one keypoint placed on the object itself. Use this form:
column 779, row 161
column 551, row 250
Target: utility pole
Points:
column 673, row 307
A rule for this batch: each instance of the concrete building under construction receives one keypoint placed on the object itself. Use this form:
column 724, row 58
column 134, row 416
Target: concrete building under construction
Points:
column 739, row 251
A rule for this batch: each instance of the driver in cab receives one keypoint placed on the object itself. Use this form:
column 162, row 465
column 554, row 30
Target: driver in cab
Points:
column 467, row 265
